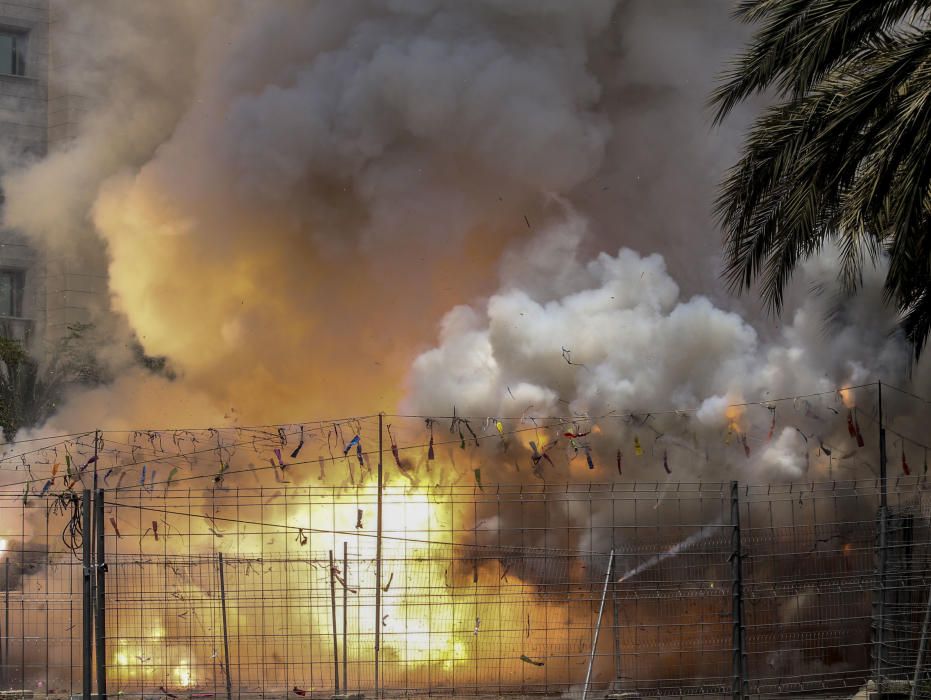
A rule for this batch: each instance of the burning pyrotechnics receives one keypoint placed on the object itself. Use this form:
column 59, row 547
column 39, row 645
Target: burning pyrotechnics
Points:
column 283, row 248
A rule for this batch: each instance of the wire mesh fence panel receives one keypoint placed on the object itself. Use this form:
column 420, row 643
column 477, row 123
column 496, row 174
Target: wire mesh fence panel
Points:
column 40, row 600
column 660, row 589
column 494, row 589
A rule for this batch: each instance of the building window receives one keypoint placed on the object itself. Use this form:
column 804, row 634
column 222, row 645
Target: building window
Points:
column 12, row 283
column 12, row 52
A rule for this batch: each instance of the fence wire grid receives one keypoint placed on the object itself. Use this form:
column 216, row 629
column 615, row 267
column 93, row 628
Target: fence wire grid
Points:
column 714, row 589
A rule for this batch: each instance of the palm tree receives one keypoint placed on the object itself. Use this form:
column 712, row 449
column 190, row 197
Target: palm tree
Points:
column 844, row 154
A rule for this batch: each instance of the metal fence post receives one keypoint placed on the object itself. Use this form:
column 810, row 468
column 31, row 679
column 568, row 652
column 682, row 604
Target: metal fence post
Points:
column 335, row 629
column 226, row 638
column 345, row 616
column 739, row 670
column 879, row 622
column 879, row 616
column 378, row 562
column 615, row 611
column 87, row 602
column 100, row 623
column 919, row 661
column 6, row 620
column 601, row 609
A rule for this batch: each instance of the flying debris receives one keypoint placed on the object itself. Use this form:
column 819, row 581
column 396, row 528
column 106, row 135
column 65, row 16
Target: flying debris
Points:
column 527, row 660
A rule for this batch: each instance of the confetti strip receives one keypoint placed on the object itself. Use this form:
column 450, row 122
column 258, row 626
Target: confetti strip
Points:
column 527, row 660
column 666, row 462
column 905, row 467
column 352, row 443
column 394, row 448
column 538, row 454
column 471, row 432
column 431, row 455
column 478, row 478
column 115, row 528
column 359, row 519
column 575, row 436
column 297, row 450
column 638, row 450
column 620, row 459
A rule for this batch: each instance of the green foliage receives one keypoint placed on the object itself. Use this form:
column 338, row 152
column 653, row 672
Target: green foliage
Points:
column 30, row 391
column 844, row 154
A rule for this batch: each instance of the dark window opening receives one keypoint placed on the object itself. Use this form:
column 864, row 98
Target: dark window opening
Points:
column 12, row 283
column 12, row 53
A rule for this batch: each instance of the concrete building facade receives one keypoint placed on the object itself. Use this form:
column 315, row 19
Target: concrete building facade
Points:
column 42, row 294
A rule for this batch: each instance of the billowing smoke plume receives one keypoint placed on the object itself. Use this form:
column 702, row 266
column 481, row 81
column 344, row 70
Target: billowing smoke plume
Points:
column 291, row 196
column 281, row 188
column 612, row 337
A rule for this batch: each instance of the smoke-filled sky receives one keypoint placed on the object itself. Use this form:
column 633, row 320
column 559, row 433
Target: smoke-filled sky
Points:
column 316, row 209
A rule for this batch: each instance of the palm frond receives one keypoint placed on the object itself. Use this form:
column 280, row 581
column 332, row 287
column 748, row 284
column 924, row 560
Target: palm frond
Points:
column 802, row 41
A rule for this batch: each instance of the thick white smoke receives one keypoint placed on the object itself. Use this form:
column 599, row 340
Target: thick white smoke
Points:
column 611, row 335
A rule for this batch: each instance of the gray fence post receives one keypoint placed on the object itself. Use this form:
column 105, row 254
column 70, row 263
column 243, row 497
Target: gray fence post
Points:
column 335, row 628
column 739, row 670
column 87, row 626
column 879, row 615
column 100, row 623
column 226, row 636
column 919, row 661
column 6, row 621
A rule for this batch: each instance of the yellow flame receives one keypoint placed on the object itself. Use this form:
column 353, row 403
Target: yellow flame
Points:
column 183, row 675
column 846, row 396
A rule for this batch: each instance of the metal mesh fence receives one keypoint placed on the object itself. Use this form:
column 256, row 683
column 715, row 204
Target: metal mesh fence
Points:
column 710, row 589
